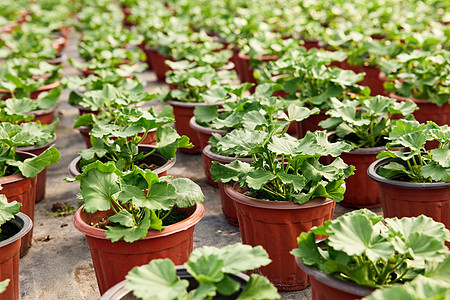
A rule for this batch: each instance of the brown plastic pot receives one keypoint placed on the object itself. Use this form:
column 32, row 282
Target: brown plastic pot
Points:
column 42, row 176
column 183, row 112
column 275, row 225
column 409, row 199
column 112, row 261
column 118, row 292
column 44, row 116
column 428, row 111
column 373, row 78
column 156, row 158
column 23, row 190
column 310, row 124
column 324, row 286
column 150, row 139
column 246, row 69
column 158, row 63
column 204, row 133
column 16, row 229
column 228, row 208
column 45, row 88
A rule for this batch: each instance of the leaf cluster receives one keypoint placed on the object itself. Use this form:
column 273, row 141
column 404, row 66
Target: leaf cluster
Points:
column 420, row 75
column 363, row 249
column 305, row 76
column 139, row 200
column 365, row 122
column 26, row 134
column 284, row 168
column 419, row 164
column 211, row 268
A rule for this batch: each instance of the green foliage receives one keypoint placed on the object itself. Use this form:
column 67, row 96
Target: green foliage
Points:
column 4, row 285
column 211, row 268
column 139, row 200
column 26, row 134
column 364, row 250
column 420, row 164
column 284, row 168
column 365, row 123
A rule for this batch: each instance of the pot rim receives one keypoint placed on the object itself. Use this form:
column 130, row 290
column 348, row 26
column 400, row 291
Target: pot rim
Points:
column 194, row 125
column 232, row 98
column 244, row 56
column 73, row 170
column 118, row 291
column 27, row 225
column 348, row 287
column 372, row 172
column 45, row 87
column 98, row 233
column 37, row 148
column 221, row 158
column 268, row 204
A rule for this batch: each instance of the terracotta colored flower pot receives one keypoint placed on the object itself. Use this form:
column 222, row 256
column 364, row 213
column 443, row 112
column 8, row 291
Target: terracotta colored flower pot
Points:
column 183, row 112
column 156, row 158
column 361, row 192
column 16, row 229
column 112, row 261
column 150, row 139
column 372, row 79
column 275, row 226
column 428, row 111
column 228, row 208
column 157, row 61
column 247, row 70
column 310, row 44
column 44, row 116
column 310, row 124
column 42, row 176
column 118, row 292
column 23, row 190
column 409, row 199
column 45, row 88
column 324, row 286
column 204, row 133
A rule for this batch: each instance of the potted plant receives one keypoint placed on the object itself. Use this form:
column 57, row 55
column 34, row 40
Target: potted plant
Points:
column 416, row 182
column 13, row 226
column 199, row 86
column 365, row 123
column 118, row 106
column 421, row 76
column 135, row 216
column 305, row 76
column 362, row 253
column 18, row 170
column 285, row 188
column 21, row 77
column 192, row 280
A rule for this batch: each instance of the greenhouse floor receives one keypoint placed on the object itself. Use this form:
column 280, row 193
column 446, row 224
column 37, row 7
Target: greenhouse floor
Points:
column 58, row 265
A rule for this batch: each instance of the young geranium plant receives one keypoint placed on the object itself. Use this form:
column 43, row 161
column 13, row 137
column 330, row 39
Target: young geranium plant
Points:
column 365, row 122
column 26, row 134
column 363, row 249
column 420, row 164
column 139, row 199
column 284, row 168
column 158, row 279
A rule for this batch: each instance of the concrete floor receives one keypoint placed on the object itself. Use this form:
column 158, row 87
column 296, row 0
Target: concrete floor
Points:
column 58, row 265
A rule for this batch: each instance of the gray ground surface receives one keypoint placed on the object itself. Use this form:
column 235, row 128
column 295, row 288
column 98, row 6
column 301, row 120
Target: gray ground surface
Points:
column 58, row 265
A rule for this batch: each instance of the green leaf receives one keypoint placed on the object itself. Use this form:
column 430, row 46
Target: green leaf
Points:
column 229, row 172
column 435, row 172
column 391, row 169
column 205, row 290
column 205, row 114
column 257, row 178
column 168, row 141
column 284, row 145
column 227, row 286
column 253, row 119
column 240, row 258
column 7, row 210
column 259, row 288
column 206, row 268
column 4, row 285
column 34, row 165
column 123, row 217
column 129, row 233
column 442, row 156
column 188, row 192
column 297, row 181
column 156, row 280
column 307, row 249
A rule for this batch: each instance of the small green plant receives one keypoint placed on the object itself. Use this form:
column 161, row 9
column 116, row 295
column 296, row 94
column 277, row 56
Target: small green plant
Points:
column 420, row 164
column 211, row 267
column 284, row 168
column 7, row 212
column 139, row 200
column 365, row 123
column 363, row 249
